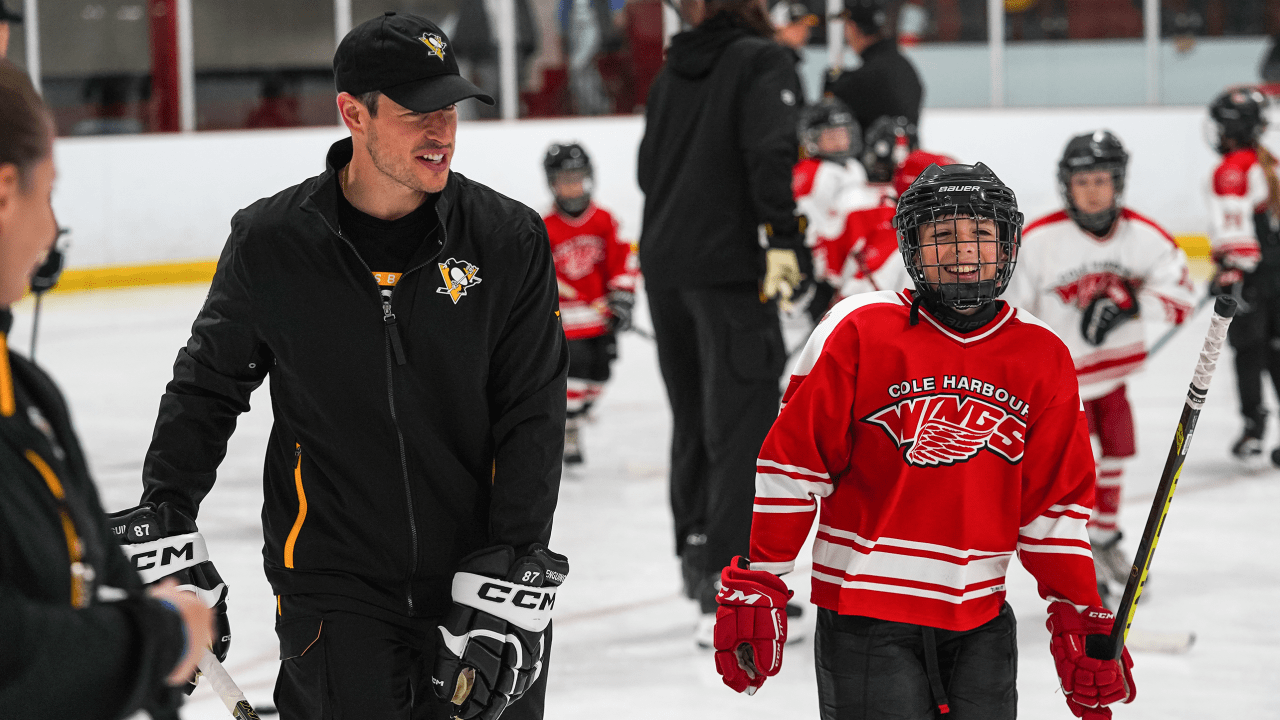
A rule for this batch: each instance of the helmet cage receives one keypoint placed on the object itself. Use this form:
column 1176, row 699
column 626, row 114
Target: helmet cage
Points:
column 827, row 115
column 967, row 201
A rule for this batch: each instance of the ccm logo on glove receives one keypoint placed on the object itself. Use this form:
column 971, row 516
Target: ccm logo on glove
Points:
column 525, row 598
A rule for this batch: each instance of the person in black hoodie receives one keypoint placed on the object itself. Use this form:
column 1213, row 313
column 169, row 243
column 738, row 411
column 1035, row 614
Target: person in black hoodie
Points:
column 408, row 319
column 720, row 240
column 886, row 84
column 80, row 637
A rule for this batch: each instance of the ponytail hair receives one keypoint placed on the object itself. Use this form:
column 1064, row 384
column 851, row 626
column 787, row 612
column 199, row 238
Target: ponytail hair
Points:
column 1268, row 162
column 26, row 126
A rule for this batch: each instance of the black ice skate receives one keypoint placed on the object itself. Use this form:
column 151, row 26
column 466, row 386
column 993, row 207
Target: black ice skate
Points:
column 1248, row 448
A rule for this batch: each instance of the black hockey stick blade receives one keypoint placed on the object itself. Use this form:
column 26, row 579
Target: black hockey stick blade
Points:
column 1111, row 646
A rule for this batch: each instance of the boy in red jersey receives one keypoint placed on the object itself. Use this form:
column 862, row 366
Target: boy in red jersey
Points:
column 933, row 433
column 596, row 272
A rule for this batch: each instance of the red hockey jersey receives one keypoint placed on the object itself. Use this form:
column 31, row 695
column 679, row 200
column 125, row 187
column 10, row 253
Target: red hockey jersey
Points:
column 930, row 457
column 1237, row 192
column 591, row 261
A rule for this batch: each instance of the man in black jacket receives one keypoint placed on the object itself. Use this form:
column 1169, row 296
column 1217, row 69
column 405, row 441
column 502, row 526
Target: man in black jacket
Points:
column 715, row 167
column 408, row 320
column 886, row 84
column 79, row 637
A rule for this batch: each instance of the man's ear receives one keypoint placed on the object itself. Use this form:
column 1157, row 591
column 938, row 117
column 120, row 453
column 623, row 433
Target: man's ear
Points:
column 354, row 115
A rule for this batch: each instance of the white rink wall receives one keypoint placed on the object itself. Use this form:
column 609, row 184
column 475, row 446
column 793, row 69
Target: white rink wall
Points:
column 156, row 198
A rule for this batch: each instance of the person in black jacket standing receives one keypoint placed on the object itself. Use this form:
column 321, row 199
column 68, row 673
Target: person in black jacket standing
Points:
column 408, row 320
column 720, row 240
column 886, row 84
column 80, row 638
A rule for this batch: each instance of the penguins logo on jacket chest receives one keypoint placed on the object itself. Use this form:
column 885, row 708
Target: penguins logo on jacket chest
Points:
column 459, row 276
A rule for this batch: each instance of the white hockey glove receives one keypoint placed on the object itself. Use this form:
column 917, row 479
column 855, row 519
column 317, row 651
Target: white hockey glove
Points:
column 491, row 645
column 160, row 542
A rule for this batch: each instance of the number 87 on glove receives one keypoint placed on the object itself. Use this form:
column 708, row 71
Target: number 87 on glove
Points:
column 751, row 625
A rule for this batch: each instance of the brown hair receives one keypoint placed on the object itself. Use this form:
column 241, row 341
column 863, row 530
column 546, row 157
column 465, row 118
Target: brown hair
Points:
column 744, row 13
column 25, row 123
column 1268, row 163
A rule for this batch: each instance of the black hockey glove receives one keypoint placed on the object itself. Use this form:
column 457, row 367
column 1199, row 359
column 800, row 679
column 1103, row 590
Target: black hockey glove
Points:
column 163, row 542
column 620, row 303
column 1106, row 312
column 491, row 645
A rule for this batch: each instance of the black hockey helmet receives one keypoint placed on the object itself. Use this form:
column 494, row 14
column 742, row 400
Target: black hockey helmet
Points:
column 1238, row 115
column 827, row 114
column 938, row 199
column 569, row 159
column 888, row 142
column 1098, row 150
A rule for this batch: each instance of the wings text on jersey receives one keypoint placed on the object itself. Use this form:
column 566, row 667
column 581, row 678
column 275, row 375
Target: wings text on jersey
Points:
column 1084, row 289
column 949, row 428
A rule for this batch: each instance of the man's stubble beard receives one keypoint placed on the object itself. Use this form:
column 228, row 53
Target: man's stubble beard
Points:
column 384, row 165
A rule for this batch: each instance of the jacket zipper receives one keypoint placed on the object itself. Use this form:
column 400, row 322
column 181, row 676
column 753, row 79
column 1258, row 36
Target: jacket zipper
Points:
column 292, row 541
column 393, row 345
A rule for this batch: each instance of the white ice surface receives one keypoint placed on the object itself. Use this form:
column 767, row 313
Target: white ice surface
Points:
column 623, row 647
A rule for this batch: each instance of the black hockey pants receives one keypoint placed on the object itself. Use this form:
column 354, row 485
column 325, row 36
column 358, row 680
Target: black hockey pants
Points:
column 872, row 669
column 342, row 660
column 1255, row 337
column 721, row 354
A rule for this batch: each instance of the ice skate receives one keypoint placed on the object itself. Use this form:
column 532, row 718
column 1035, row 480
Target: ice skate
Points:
column 1248, row 449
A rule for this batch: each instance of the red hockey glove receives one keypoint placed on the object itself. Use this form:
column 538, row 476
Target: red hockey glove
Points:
column 1089, row 684
column 751, row 625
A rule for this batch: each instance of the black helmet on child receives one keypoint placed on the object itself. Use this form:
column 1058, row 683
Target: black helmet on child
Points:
column 955, row 192
column 1098, row 150
column 828, row 113
column 1239, row 115
column 889, row 141
column 569, row 159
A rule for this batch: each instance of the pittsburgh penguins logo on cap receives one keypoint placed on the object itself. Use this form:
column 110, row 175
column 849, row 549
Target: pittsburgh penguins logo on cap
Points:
column 435, row 43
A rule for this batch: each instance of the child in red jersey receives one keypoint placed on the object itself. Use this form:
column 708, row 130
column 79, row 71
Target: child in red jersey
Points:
column 1244, row 229
column 596, row 272
column 933, row 434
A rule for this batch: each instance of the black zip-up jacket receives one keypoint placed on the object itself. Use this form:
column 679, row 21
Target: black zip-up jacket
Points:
column 407, row 434
column 885, row 84
column 715, row 162
column 64, row 652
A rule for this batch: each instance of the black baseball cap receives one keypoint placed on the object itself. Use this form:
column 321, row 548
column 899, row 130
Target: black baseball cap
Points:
column 868, row 15
column 405, row 57
column 7, row 15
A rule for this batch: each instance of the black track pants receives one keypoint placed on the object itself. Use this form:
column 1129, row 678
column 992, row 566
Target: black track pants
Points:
column 872, row 669
column 1255, row 336
column 721, row 354
column 342, row 664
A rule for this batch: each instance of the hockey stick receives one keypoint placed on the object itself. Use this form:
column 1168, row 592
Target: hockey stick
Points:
column 1103, row 647
column 226, row 688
